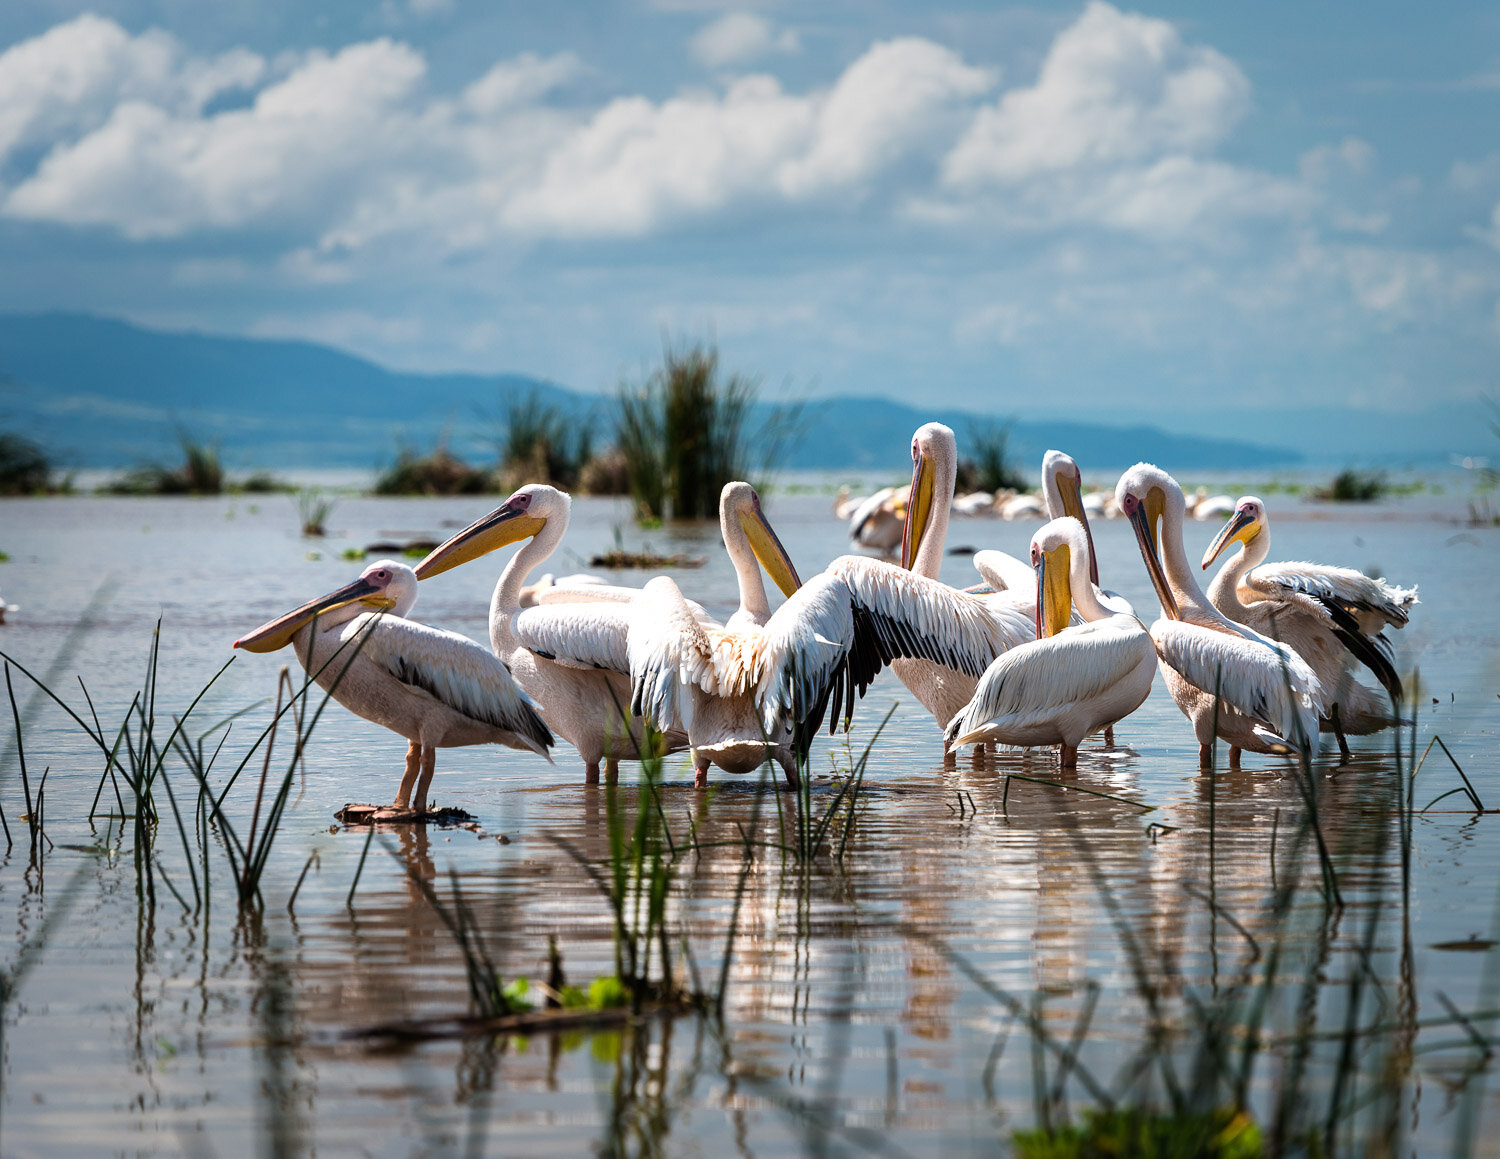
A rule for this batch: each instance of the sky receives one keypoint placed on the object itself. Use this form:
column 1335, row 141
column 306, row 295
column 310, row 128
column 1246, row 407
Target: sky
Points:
column 1170, row 212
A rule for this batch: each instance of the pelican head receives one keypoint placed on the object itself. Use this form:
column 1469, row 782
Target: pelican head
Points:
column 738, row 502
column 934, row 457
column 1145, row 494
column 384, row 586
column 1060, row 472
column 520, row 517
column 1248, row 521
column 1053, row 549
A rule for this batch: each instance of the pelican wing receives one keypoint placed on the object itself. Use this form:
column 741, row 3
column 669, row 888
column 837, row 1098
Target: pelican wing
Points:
column 1004, row 572
column 1038, row 680
column 583, row 634
column 1372, row 602
column 668, row 649
column 559, row 595
column 468, row 678
column 1253, row 674
column 832, row 637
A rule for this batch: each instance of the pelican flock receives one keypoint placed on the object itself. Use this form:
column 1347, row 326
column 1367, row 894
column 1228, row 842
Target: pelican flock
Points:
column 1035, row 655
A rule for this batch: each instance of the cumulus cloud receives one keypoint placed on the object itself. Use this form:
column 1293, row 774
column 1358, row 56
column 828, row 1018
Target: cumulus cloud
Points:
column 637, row 164
column 1117, row 130
column 72, row 77
column 738, row 38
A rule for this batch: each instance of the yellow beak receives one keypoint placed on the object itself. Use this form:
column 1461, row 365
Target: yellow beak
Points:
column 1146, row 519
column 918, row 509
column 502, row 526
column 1054, row 592
column 279, row 632
column 768, row 550
column 1242, row 527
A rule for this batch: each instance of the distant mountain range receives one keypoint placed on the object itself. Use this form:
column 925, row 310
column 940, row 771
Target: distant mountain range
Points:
column 101, row 393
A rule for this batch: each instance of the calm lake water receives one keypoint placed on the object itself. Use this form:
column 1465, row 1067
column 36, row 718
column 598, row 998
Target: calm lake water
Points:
column 870, row 1001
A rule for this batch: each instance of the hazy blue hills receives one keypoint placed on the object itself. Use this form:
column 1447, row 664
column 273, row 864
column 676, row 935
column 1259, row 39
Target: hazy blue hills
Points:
column 103, row 393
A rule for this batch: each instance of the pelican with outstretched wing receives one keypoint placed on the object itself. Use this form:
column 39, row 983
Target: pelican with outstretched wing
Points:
column 438, row 689
column 1074, row 679
column 1328, row 615
column 691, row 674
column 568, row 651
column 1261, row 695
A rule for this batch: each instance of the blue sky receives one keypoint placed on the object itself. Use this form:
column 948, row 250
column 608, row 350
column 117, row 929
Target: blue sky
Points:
column 1177, row 213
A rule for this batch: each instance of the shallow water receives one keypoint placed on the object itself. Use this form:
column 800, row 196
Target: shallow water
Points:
column 850, row 1009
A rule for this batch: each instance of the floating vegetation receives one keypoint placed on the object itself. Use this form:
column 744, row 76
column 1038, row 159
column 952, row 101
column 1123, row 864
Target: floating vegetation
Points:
column 313, row 509
column 1352, row 486
column 439, row 473
column 619, row 558
column 989, row 466
column 199, row 473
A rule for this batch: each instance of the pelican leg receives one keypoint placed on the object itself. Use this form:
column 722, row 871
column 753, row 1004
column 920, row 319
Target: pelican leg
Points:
column 700, row 772
column 1234, row 757
column 789, row 767
column 1205, row 756
column 591, row 773
column 1338, row 731
column 1109, row 736
column 409, row 779
column 950, row 759
column 429, row 766
column 1067, row 756
column 611, row 770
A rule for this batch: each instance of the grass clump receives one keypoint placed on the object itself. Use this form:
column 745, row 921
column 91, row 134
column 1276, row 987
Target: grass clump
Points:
column 25, row 468
column 199, row 473
column 990, row 468
column 686, row 432
column 1352, row 486
column 439, row 473
column 540, row 445
column 1221, row 1134
column 313, row 510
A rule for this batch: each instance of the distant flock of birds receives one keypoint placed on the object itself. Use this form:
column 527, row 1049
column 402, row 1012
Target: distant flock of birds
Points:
column 1037, row 654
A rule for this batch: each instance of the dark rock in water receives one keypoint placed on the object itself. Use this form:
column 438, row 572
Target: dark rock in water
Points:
column 390, row 815
column 641, row 559
column 412, row 547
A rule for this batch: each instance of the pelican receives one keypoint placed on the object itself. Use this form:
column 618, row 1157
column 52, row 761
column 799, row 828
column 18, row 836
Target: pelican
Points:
column 702, row 677
column 1328, row 615
column 941, row 688
column 1071, row 681
column 878, row 523
column 438, row 689
column 585, row 701
column 1264, row 696
column 1212, row 506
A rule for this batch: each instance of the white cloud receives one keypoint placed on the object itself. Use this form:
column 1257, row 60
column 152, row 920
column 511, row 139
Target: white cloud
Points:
column 154, row 171
column 1115, row 88
column 637, row 165
column 73, row 76
column 738, row 38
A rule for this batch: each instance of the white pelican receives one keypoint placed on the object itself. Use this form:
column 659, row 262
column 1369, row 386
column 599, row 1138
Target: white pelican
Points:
column 585, row 702
column 1071, row 681
column 1328, row 615
column 879, row 521
column 974, row 503
column 438, row 689
column 941, row 688
column 1212, row 506
column 1268, row 698
column 701, row 677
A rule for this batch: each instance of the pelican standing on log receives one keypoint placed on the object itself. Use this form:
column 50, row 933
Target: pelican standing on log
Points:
column 1261, row 694
column 585, row 702
column 1328, row 615
column 438, row 689
column 1071, row 681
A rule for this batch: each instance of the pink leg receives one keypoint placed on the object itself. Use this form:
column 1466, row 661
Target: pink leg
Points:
column 1067, row 756
column 413, row 769
column 1234, row 757
column 591, row 773
column 700, row 773
column 429, row 766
